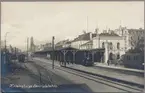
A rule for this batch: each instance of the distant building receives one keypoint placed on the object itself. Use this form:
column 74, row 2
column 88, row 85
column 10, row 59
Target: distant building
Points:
column 131, row 36
column 47, row 46
column 39, row 47
column 67, row 44
column 2, row 44
column 88, row 45
column 61, row 44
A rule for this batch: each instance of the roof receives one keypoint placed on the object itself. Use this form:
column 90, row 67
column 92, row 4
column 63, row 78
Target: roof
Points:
column 67, row 48
column 89, row 42
column 97, row 49
column 94, row 35
column 61, row 42
column 131, row 30
column 108, row 34
column 68, row 42
column 85, row 36
column 136, row 29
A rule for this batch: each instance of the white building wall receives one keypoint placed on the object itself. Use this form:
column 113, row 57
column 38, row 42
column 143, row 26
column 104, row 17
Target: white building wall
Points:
column 114, row 43
column 78, row 44
column 98, row 44
column 95, row 43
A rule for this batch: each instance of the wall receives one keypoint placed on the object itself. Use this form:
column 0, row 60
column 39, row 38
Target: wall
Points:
column 78, row 43
column 114, row 40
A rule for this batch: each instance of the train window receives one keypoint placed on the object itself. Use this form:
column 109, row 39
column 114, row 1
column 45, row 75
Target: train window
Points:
column 135, row 57
column 128, row 57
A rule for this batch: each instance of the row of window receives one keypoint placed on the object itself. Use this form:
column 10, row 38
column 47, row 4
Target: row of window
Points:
column 137, row 32
column 110, row 45
column 88, row 47
column 134, row 58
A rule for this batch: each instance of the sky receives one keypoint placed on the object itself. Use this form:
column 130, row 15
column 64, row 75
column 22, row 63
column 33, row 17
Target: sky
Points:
column 42, row 20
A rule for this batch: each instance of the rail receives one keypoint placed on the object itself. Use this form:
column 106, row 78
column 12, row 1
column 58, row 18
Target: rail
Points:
column 102, row 80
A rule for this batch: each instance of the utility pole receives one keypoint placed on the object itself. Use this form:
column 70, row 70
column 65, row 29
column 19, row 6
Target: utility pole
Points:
column 15, row 50
column 27, row 47
column 87, row 23
column 6, row 45
column 53, row 52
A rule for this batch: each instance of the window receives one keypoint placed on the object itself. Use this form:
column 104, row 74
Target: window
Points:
column 118, row 45
column 110, row 45
column 131, row 38
column 128, row 57
column 135, row 57
column 103, row 46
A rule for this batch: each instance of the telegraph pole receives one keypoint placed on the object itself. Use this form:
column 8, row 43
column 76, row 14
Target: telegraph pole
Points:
column 87, row 23
column 6, row 45
column 27, row 47
column 53, row 52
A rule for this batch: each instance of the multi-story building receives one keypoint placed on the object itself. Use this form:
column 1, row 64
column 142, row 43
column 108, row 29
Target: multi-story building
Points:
column 131, row 36
column 82, row 39
column 113, row 44
column 67, row 44
column 61, row 44
column 47, row 46
column 88, row 45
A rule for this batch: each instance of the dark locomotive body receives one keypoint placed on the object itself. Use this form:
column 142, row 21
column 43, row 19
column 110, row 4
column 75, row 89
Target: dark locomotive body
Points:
column 21, row 58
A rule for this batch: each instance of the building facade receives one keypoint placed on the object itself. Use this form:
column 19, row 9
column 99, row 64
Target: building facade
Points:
column 79, row 42
column 131, row 36
column 114, row 45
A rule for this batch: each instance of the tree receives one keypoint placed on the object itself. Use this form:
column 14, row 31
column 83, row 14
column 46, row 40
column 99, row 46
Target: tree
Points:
column 136, row 50
column 140, row 44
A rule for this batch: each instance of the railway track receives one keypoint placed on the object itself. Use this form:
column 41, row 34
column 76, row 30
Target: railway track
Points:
column 114, row 84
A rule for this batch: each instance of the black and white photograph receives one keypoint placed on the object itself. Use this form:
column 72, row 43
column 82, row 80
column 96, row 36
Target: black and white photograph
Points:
column 72, row 46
